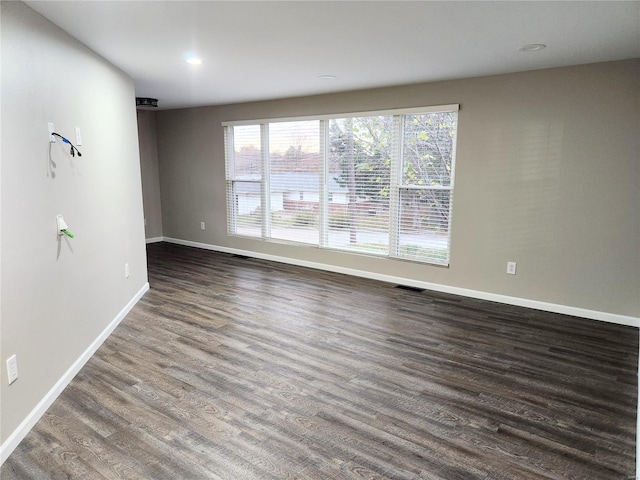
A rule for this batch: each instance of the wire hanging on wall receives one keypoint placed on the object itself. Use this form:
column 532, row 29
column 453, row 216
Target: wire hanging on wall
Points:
column 74, row 149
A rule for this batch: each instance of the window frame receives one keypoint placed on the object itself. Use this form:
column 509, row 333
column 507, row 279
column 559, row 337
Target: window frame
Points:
column 396, row 179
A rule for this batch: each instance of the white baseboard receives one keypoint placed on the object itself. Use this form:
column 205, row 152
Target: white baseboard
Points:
column 465, row 292
column 27, row 424
column 154, row 240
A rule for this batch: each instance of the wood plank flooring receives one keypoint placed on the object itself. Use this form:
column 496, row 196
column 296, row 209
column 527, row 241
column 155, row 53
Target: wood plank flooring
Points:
column 233, row 368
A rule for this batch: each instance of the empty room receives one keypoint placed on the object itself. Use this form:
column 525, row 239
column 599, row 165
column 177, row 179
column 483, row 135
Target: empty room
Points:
column 319, row 240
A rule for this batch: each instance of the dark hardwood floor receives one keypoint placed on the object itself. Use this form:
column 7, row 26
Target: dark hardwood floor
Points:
column 233, row 368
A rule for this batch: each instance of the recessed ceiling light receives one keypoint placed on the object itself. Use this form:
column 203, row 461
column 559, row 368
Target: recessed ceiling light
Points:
column 194, row 61
column 327, row 77
column 532, row 47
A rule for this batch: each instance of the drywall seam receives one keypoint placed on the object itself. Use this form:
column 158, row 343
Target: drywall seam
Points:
column 465, row 292
column 28, row 423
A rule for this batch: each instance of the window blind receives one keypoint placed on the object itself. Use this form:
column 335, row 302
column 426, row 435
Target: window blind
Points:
column 380, row 184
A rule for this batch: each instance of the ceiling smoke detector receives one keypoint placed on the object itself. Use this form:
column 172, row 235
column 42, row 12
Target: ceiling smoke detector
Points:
column 145, row 102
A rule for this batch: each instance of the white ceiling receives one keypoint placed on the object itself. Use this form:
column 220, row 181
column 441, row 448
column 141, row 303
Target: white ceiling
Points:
column 265, row 50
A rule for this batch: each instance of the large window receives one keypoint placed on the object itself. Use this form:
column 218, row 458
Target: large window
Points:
column 375, row 183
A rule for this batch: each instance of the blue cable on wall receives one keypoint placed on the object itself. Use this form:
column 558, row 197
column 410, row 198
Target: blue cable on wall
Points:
column 74, row 149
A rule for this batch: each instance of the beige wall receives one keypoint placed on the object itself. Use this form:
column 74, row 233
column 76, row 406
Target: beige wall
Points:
column 150, row 177
column 548, row 169
column 58, row 294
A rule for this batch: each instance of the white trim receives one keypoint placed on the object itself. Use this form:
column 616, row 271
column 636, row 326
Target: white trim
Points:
column 28, row 423
column 153, row 240
column 465, row 292
column 454, row 107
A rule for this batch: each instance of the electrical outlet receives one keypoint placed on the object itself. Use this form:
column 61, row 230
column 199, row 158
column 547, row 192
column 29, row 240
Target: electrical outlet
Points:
column 12, row 368
column 52, row 139
column 511, row 268
column 201, row 225
column 78, row 136
column 126, row 270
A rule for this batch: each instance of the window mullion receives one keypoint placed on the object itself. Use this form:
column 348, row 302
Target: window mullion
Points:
column 395, row 179
column 265, row 186
column 324, row 194
column 231, row 210
column 451, row 188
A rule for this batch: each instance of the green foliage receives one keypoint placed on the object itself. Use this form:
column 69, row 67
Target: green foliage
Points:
column 305, row 219
column 364, row 142
column 281, row 219
column 339, row 220
column 423, row 253
column 428, row 148
column 361, row 148
column 250, row 219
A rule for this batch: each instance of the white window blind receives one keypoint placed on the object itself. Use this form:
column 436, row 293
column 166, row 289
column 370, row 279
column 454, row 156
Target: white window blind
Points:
column 380, row 184
column 425, row 192
column 244, row 168
column 359, row 175
column 295, row 169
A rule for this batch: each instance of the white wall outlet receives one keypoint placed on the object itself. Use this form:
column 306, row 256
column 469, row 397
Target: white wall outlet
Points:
column 52, row 139
column 511, row 268
column 201, row 225
column 126, row 270
column 78, row 136
column 12, row 368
